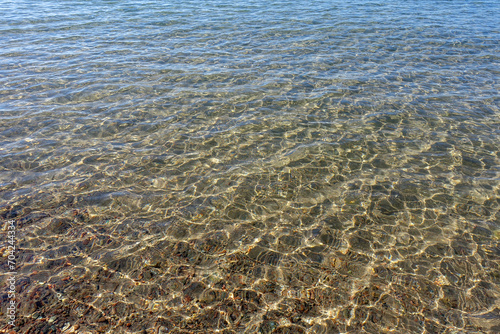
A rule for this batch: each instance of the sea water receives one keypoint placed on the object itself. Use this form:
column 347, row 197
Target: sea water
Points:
column 250, row 166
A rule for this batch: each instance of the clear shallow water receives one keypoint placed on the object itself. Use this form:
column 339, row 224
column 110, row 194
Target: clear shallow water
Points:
column 252, row 166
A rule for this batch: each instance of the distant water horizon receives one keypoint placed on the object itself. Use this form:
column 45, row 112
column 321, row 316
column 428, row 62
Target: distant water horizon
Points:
column 250, row 166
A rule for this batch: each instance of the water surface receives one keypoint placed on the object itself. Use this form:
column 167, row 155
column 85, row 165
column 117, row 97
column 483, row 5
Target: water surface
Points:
column 252, row 166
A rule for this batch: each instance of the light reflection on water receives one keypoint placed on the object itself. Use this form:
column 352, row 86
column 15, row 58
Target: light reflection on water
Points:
column 252, row 167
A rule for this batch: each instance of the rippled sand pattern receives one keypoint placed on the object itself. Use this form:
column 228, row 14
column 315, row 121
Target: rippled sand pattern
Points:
column 251, row 167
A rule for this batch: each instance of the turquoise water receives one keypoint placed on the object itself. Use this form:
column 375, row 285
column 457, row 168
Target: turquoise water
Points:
column 251, row 167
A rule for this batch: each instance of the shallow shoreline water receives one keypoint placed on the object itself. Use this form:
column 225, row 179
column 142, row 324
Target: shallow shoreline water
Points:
column 250, row 167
